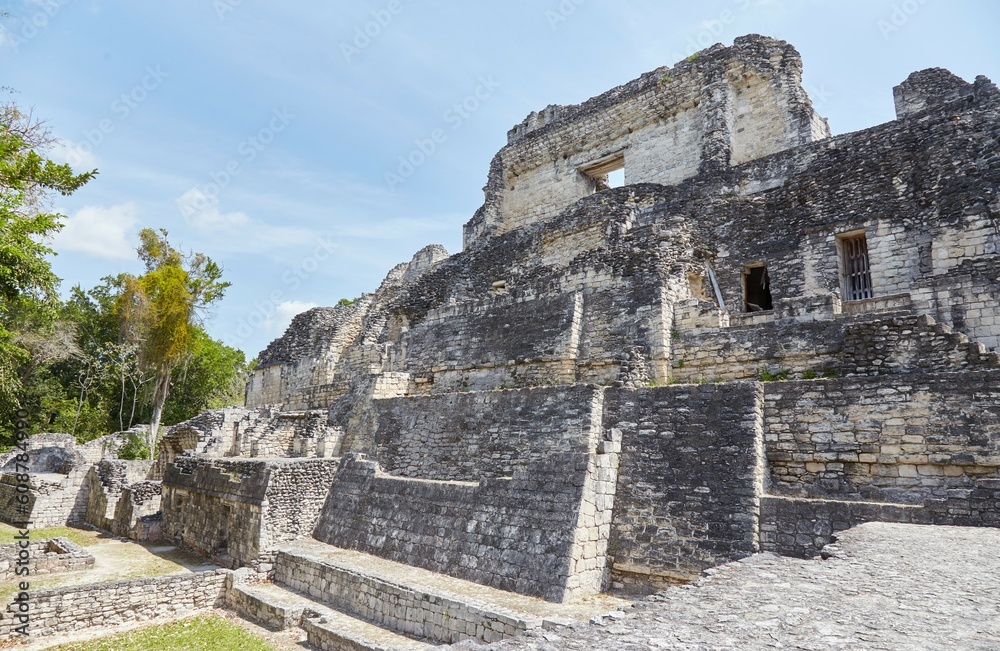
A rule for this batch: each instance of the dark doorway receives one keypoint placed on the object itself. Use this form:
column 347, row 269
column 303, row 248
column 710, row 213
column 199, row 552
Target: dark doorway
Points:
column 757, row 289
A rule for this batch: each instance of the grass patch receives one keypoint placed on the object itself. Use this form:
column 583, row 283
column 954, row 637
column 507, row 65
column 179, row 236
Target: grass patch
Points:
column 206, row 633
column 767, row 375
column 82, row 537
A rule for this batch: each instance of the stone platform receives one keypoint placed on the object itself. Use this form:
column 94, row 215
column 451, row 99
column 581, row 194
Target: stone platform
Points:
column 350, row 600
column 883, row 586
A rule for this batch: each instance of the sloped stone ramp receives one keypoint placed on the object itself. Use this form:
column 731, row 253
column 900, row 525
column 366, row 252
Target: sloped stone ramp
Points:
column 349, row 601
column 882, row 586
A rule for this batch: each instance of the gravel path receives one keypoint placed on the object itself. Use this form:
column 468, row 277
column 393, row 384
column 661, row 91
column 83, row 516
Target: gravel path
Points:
column 884, row 586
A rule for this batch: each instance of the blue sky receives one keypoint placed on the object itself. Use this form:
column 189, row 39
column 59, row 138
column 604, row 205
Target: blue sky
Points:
column 262, row 133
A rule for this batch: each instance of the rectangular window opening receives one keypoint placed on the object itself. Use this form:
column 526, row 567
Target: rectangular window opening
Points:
column 756, row 289
column 608, row 172
column 856, row 271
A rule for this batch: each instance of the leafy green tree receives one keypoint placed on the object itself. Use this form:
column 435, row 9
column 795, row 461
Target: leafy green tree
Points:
column 215, row 376
column 160, row 310
column 27, row 284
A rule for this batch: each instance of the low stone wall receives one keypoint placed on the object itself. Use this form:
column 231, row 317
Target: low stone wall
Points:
column 268, row 611
column 802, row 527
column 538, row 533
column 465, row 436
column 689, row 480
column 424, row 614
column 235, row 510
column 43, row 557
column 75, row 608
column 888, row 438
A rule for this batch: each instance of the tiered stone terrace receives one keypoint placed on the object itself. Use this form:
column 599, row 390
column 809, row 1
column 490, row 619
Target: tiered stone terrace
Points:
column 768, row 336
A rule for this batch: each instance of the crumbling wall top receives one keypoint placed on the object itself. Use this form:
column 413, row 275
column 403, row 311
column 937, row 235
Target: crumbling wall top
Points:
column 932, row 88
column 723, row 106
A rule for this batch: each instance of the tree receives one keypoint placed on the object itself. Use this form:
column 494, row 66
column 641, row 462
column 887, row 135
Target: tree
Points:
column 214, row 376
column 27, row 283
column 160, row 310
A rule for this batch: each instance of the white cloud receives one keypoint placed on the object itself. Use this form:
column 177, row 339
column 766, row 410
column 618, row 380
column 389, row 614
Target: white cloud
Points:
column 76, row 155
column 236, row 231
column 104, row 232
column 282, row 316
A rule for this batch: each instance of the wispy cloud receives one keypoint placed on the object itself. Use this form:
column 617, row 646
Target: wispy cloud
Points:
column 101, row 231
column 235, row 230
column 278, row 321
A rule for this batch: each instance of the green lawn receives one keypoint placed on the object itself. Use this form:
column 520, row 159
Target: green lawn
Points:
column 82, row 537
column 207, row 633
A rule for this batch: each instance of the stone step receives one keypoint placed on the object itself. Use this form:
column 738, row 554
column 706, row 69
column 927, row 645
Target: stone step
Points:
column 325, row 628
column 418, row 602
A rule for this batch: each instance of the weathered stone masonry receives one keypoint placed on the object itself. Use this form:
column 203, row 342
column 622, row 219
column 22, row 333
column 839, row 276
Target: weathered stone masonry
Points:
column 475, row 366
column 767, row 336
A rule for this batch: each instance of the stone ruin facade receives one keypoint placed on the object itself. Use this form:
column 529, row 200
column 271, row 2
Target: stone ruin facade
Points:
column 766, row 336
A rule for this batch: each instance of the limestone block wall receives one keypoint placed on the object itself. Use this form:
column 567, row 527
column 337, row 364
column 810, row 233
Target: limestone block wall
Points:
column 138, row 513
column 212, row 433
column 106, row 482
column 724, row 106
column 235, row 510
column 846, row 344
column 966, row 297
column 307, row 354
column 522, row 534
column 53, row 499
column 493, row 332
column 802, row 527
column 690, row 480
column 934, row 244
column 927, row 89
column 118, row 496
column 325, row 349
column 466, row 436
column 43, row 557
column 426, row 614
column 893, row 439
column 796, row 526
column 903, row 344
column 265, row 386
column 741, row 351
column 76, row 608
column 534, row 308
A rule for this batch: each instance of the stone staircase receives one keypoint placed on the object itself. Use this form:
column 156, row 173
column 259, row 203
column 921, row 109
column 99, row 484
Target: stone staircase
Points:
column 347, row 600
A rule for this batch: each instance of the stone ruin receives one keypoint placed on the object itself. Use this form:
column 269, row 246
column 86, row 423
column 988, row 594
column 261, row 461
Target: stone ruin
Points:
column 766, row 336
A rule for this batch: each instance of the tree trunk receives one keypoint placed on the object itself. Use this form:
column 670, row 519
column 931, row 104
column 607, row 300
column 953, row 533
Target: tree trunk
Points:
column 161, row 387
